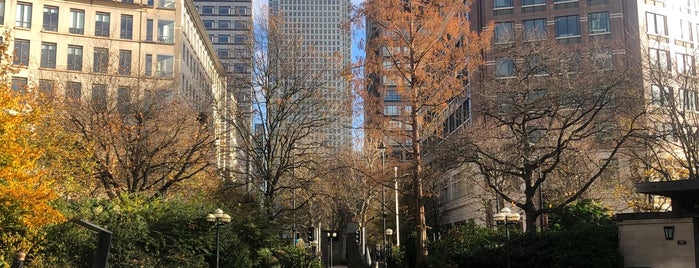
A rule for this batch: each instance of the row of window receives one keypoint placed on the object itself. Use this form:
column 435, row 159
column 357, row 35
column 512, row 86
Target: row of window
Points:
column 225, row 10
column 665, row 96
column 73, row 92
column 226, row 38
column 660, row 60
column 164, row 63
column 506, row 67
column 501, row 4
column 657, row 24
column 225, row 24
column 76, row 24
column 566, row 26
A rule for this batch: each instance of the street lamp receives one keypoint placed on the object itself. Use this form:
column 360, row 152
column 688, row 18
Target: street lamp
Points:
column 331, row 236
column 219, row 219
column 389, row 233
column 507, row 217
column 382, row 147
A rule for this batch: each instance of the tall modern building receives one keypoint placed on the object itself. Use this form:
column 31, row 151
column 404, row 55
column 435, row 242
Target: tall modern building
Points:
column 113, row 52
column 322, row 25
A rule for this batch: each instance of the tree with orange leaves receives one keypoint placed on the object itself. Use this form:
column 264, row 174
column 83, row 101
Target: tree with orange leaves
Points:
column 422, row 51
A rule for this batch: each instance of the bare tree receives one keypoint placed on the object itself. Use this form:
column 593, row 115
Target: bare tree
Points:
column 285, row 144
column 548, row 113
column 142, row 135
column 423, row 49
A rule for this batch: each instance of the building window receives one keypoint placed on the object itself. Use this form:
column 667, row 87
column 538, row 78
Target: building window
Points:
column 222, row 53
column 504, row 67
column 391, row 110
column 208, row 24
column 690, row 100
column 207, row 10
column 21, row 52
column 100, row 60
column 2, row 12
column 73, row 91
column 149, row 30
column 502, row 3
column 568, row 26
column 223, row 10
column 164, row 66
column 19, row 84
column 124, row 100
column 244, row 10
column 392, row 95
column 534, row 29
column 659, row 59
column 99, row 97
column 166, row 31
column 46, row 88
column 598, row 22
column 241, row 25
column 166, row 3
column 126, row 27
column 23, row 17
column 149, row 65
column 656, row 24
column 124, row 62
column 239, row 39
column 533, row 2
column 687, row 33
column 504, row 32
column 661, row 96
column 77, row 21
column 224, row 24
column 224, row 38
column 685, row 63
column 75, row 58
column 535, row 65
column 50, row 18
column 102, row 24
column 48, row 55
column 150, row 3
column 602, row 58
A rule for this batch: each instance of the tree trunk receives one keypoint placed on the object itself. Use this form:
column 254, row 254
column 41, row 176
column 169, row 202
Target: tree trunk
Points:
column 421, row 258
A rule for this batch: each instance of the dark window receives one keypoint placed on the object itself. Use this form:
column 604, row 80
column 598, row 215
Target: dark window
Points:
column 224, row 38
column 126, row 27
column 659, row 59
column 568, row 26
column 602, row 58
column 21, row 52
column 73, row 91
column 149, row 30
column 99, row 97
column 534, row 29
column 150, row 3
column 46, row 88
column 124, row 100
column 207, row 10
column 533, row 2
column 208, row 24
column 100, row 60
column 102, row 24
column 75, row 58
column 77, row 21
column 125, row 62
column 224, row 24
column 502, row 3
column 149, row 65
column 2, row 12
column 685, row 63
column 223, row 10
column 504, row 32
column 19, row 84
column 48, row 55
column 166, row 31
column 504, row 67
column 50, row 18
column 23, row 16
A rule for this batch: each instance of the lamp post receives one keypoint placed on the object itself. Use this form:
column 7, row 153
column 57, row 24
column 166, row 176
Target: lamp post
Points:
column 331, row 236
column 389, row 233
column 382, row 147
column 218, row 218
column 507, row 217
column 395, row 191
